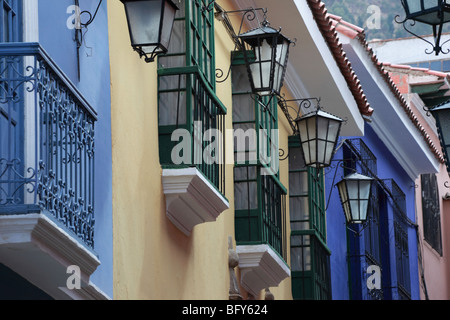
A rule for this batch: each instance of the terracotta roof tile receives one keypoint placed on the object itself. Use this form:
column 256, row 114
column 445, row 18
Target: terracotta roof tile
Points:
column 330, row 35
column 356, row 32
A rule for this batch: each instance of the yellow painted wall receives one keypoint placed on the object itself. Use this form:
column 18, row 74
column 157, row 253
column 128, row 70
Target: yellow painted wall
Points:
column 152, row 258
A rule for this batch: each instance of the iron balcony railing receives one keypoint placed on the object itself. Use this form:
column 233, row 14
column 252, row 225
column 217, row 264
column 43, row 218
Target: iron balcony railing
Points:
column 46, row 141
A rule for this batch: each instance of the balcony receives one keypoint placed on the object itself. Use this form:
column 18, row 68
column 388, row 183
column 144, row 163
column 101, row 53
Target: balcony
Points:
column 261, row 234
column 46, row 169
column 192, row 148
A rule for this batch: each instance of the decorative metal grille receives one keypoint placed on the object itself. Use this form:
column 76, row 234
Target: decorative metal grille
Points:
column 47, row 151
column 273, row 215
column 431, row 211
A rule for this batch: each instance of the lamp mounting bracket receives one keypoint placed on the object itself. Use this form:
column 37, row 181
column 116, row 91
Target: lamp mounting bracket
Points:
column 437, row 32
column 79, row 25
column 302, row 104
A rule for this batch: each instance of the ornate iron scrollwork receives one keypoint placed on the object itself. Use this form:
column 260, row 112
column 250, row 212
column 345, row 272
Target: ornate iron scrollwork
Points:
column 57, row 173
column 436, row 47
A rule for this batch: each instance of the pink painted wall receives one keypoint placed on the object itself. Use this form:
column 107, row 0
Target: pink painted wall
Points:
column 436, row 267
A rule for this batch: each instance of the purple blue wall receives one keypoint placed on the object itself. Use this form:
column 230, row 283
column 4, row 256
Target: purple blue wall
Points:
column 342, row 277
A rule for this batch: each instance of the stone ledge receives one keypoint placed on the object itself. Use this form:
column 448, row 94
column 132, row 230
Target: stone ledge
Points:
column 261, row 267
column 191, row 199
column 36, row 248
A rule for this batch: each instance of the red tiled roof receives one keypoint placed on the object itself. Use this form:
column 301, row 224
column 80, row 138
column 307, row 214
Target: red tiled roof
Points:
column 355, row 32
column 330, row 35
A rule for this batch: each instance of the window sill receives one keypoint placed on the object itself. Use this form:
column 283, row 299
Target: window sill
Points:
column 191, row 199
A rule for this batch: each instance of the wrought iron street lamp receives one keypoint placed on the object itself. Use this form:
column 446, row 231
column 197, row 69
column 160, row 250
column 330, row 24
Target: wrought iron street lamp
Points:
column 150, row 23
column 442, row 115
column 266, row 54
column 432, row 12
column 319, row 133
column 354, row 191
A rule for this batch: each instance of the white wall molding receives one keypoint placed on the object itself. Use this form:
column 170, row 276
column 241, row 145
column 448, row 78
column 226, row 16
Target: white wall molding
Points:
column 39, row 250
column 191, row 199
column 261, row 267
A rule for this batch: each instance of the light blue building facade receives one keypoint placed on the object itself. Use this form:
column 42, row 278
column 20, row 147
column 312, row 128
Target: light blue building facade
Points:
column 55, row 150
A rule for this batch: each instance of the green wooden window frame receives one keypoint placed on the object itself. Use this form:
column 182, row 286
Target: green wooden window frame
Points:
column 186, row 91
column 260, row 209
column 192, row 42
column 310, row 263
column 310, row 256
column 260, row 116
column 306, row 184
column 260, row 197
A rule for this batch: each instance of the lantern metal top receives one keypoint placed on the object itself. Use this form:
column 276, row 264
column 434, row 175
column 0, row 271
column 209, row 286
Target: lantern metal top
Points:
column 319, row 112
column 357, row 176
column 264, row 29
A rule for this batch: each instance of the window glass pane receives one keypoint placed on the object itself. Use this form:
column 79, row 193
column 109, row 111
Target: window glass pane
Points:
column 245, row 173
column 299, row 212
column 296, row 161
column 300, row 253
column 245, row 137
column 243, row 108
column 240, row 80
column 298, row 183
column 172, row 108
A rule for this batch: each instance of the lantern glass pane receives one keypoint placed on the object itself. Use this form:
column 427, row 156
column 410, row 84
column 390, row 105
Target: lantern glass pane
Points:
column 261, row 68
column 363, row 209
column 280, row 64
column 320, row 152
column 311, row 125
column 342, row 187
column 312, row 143
column 355, row 213
column 353, row 189
column 333, row 130
column 169, row 17
column 322, row 128
column 309, row 149
column 429, row 4
column 329, row 152
column 144, row 19
column 414, row 6
column 364, row 189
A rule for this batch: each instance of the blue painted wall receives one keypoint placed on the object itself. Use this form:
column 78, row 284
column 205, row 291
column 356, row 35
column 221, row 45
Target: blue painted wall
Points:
column 94, row 83
column 387, row 168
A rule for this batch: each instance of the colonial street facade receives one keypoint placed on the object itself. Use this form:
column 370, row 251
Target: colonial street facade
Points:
column 124, row 178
